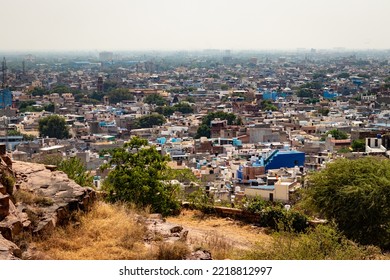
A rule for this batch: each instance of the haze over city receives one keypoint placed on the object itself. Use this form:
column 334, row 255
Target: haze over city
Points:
column 183, row 24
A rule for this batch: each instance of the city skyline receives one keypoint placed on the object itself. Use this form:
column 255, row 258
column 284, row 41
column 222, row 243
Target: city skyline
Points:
column 101, row 25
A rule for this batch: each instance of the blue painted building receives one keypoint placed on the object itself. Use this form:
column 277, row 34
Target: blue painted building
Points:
column 330, row 95
column 275, row 160
column 279, row 159
column 5, row 98
column 273, row 95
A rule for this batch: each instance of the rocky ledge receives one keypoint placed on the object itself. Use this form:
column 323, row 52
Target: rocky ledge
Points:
column 41, row 199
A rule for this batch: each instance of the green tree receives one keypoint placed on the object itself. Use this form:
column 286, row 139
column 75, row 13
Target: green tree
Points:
column 304, row 92
column 76, row 171
column 267, row 105
column 189, row 99
column 184, row 175
column 181, row 107
column 204, row 128
column 26, row 137
column 358, row 145
column 337, row 134
column 118, row 95
column 149, row 121
column 38, row 91
column 53, row 126
column 355, row 194
column 140, row 175
column 324, row 111
column 155, row 99
column 203, row 131
column 49, row 107
column 224, row 87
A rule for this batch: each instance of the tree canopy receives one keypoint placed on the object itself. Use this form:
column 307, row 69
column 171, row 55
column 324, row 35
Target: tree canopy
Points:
column 358, row 145
column 155, row 99
column 355, row 194
column 76, row 171
column 53, row 126
column 119, row 94
column 140, row 175
column 204, row 128
column 267, row 105
column 337, row 134
column 182, row 107
column 149, row 121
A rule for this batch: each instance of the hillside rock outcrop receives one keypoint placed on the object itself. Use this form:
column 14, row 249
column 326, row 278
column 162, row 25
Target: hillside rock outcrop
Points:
column 40, row 200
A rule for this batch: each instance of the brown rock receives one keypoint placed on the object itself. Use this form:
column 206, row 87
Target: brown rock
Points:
column 10, row 227
column 3, row 190
column 176, row 229
column 199, row 255
column 7, row 160
column 9, row 250
column 4, row 206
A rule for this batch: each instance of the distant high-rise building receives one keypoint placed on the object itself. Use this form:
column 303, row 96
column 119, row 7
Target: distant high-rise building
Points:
column 5, row 98
column 106, row 56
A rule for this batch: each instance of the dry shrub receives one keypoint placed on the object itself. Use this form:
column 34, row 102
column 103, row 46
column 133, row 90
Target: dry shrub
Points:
column 172, row 251
column 107, row 232
column 32, row 198
column 219, row 246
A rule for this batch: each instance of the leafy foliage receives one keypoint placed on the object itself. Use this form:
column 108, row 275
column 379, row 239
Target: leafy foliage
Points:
column 324, row 242
column 118, row 95
column 356, row 194
column 184, row 175
column 204, row 128
column 140, row 175
column 267, row 105
column 155, row 99
column 53, row 126
column 200, row 200
column 26, row 137
column 203, row 131
column 337, row 134
column 27, row 106
column 324, row 111
column 149, row 121
column 275, row 216
column 38, row 91
column 76, row 171
column 358, row 145
column 181, row 107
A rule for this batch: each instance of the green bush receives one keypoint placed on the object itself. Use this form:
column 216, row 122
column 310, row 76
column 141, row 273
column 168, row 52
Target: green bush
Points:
column 323, row 242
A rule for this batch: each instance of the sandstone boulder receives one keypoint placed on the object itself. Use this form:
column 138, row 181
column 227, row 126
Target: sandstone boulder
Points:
column 9, row 250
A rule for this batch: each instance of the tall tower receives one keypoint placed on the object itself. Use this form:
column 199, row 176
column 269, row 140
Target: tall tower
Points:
column 100, row 84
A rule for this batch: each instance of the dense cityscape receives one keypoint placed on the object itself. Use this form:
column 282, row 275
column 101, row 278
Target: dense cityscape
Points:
column 243, row 134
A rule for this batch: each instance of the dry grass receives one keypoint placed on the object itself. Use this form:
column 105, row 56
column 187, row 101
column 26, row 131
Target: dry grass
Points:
column 171, row 251
column 113, row 232
column 32, row 198
column 224, row 238
column 107, row 232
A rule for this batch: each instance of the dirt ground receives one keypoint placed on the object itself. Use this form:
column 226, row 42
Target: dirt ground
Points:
column 211, row 230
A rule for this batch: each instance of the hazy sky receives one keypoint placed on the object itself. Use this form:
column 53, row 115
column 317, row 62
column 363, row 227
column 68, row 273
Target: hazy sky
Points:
column 193, row 24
